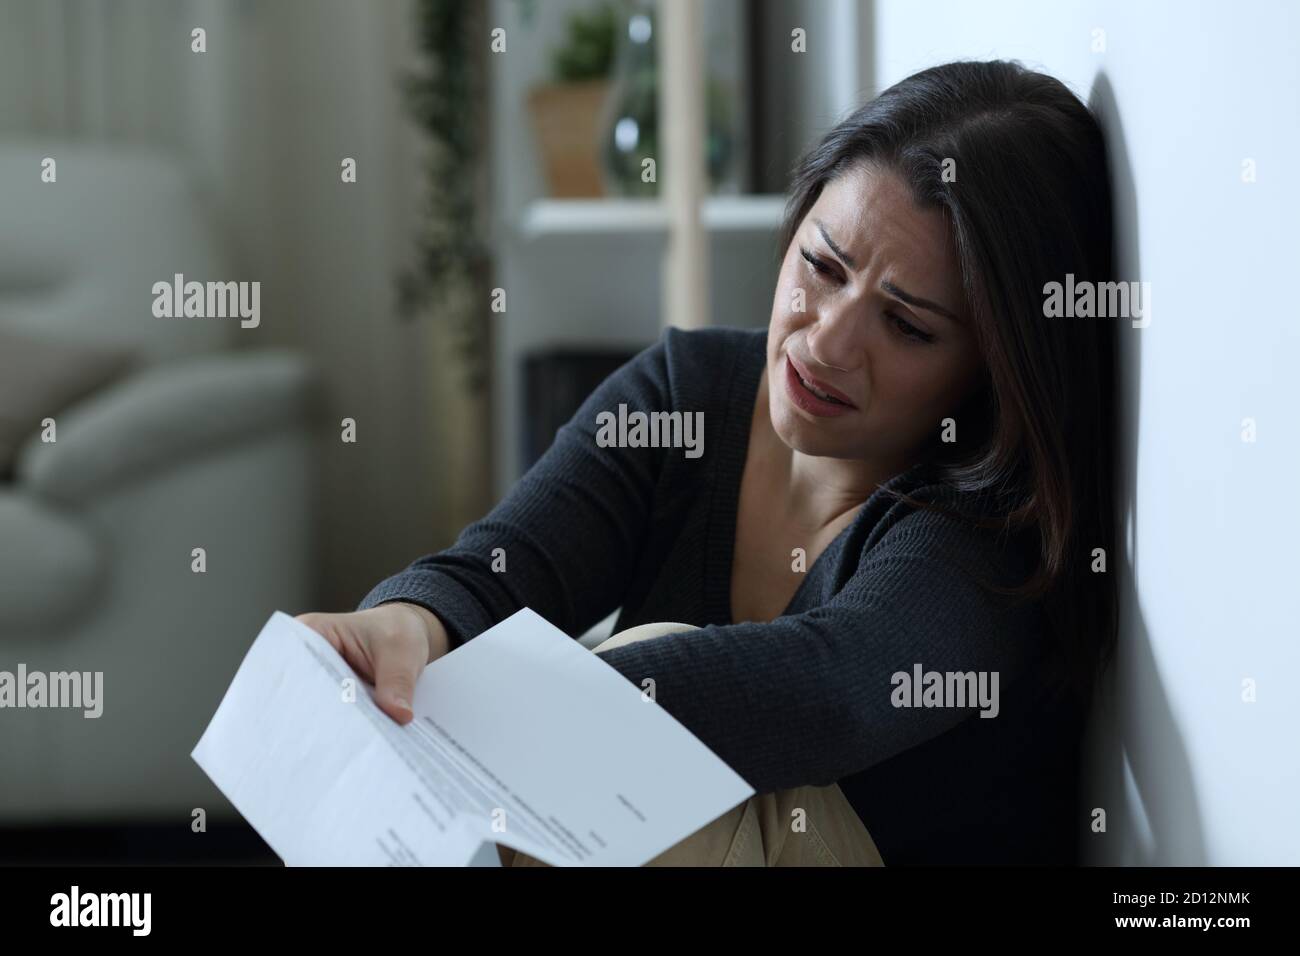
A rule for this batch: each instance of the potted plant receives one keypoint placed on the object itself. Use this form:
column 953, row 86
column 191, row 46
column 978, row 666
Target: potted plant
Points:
column 567, row 111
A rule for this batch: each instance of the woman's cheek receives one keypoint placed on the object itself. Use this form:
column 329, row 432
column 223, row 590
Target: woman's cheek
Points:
column 911, row 395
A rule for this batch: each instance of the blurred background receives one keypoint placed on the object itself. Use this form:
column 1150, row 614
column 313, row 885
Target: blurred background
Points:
column 448, row 208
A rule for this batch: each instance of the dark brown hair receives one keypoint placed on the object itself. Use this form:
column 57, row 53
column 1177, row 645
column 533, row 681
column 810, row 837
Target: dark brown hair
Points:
column 1030, row 202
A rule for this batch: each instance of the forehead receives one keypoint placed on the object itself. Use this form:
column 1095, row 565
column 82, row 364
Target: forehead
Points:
column 869, row 211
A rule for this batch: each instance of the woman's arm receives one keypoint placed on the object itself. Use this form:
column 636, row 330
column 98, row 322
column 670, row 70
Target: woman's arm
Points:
column 567, row 534
column 806, row 699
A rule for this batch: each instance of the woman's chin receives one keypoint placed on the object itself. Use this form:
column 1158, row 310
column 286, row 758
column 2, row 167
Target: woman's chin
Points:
column 807, row 437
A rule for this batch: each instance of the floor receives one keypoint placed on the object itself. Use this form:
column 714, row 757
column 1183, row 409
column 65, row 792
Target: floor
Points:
column 136, row 844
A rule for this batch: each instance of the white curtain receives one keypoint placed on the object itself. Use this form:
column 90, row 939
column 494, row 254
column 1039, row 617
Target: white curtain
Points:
column 94, row 69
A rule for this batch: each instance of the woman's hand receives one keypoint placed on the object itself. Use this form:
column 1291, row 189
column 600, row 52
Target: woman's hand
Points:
column 389, row 645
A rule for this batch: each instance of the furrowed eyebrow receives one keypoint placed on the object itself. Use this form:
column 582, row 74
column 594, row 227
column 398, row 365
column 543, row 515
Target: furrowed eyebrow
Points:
column 844, row 256
column 917, row 301
column 887, row 286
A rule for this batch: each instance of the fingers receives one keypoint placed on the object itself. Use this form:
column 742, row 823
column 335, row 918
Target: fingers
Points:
column 397, row 666
column 391, row 658
column 344, row 635
column 319, row 623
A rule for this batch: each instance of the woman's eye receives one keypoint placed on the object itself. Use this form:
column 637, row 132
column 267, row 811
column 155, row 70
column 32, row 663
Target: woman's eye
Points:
column 908, row 329
column 817, row 263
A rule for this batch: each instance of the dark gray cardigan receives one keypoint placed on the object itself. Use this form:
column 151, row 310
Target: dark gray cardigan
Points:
column 808, row 698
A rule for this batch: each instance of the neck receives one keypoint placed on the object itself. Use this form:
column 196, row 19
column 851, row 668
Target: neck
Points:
column 823, row 490
column 820, row 491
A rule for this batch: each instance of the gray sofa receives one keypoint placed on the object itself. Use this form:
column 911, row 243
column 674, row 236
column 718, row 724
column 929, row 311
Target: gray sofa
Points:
column 204, row 445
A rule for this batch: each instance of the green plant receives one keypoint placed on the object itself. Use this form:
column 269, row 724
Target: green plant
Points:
column 452, row 254
column 588, row 50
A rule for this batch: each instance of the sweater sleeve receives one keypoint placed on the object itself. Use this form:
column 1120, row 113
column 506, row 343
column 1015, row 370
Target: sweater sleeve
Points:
column 565, row 539
column 805, row 699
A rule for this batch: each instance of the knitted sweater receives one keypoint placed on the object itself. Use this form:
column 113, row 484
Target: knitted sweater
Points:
column 826, row 693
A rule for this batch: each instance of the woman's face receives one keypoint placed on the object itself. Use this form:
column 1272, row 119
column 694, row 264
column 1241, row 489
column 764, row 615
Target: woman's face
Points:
column 883, row 326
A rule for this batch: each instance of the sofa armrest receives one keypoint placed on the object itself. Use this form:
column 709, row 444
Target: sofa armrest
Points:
column 163, row 416
column 50, row 566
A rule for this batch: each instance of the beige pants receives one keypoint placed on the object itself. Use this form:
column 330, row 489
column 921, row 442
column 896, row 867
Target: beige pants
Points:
column 804, row 826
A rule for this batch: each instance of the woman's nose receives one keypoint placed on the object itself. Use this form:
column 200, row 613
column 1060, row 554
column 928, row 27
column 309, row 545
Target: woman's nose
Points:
column 837, row 338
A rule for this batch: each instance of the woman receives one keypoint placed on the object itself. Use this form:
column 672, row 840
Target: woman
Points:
column 889, row 546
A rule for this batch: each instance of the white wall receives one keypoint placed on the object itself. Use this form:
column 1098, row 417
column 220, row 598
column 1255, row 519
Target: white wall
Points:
column 1188, row 771
column 301, row 84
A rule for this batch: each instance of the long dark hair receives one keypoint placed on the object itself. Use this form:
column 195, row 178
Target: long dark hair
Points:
column 1027, row 199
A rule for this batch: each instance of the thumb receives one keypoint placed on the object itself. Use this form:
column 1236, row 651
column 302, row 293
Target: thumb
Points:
column 396, row 670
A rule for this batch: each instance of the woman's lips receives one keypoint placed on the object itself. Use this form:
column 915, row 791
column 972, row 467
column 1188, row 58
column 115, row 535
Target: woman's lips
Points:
column 808, row 401
column 820, row 386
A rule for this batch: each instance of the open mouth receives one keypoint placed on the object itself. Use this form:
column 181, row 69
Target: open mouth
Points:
column 810, row 397
column 822, row 395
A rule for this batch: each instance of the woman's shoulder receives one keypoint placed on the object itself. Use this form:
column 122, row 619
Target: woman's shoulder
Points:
column 693, row 369
column 943, row 556
column 716, row 340
column 925, row 496
column 922, row 515
column 706, row 366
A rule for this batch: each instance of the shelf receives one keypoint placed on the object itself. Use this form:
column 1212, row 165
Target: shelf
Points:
column 629, row 217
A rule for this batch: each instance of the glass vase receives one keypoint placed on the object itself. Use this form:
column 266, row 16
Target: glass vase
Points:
column 631, row 128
